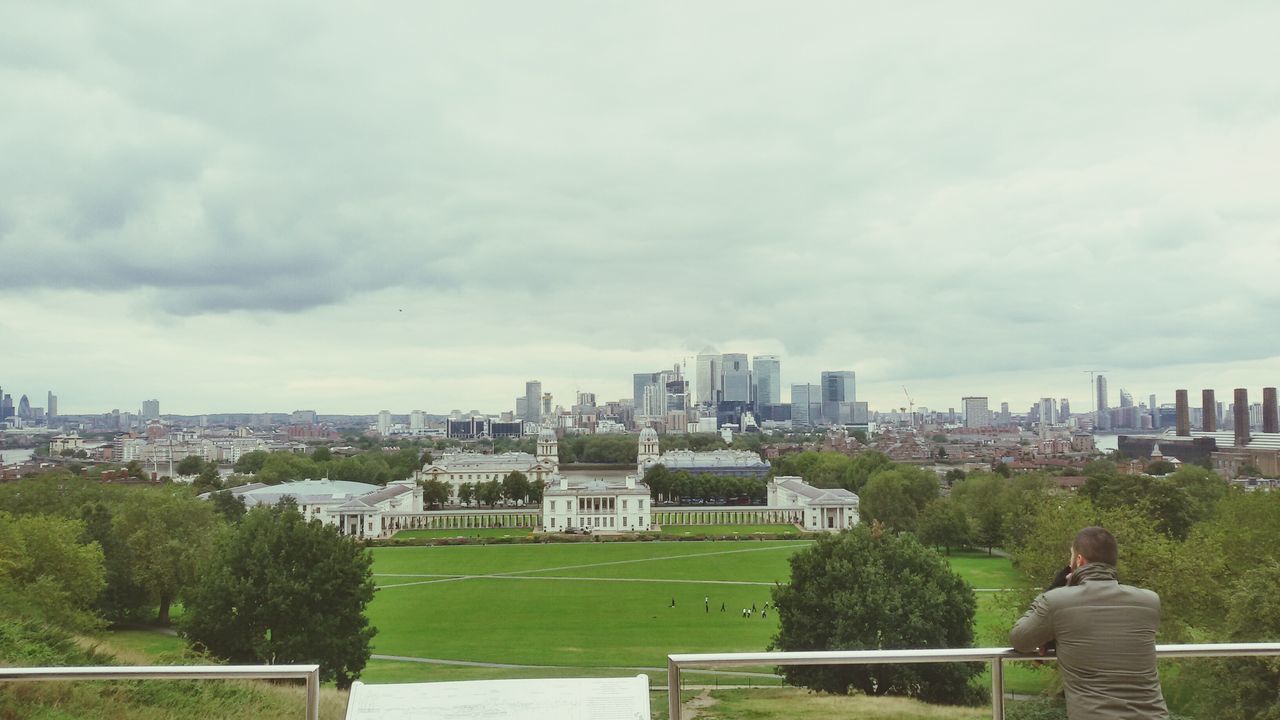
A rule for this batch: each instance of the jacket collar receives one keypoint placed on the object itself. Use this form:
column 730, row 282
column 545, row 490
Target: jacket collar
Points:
column 1094, row 571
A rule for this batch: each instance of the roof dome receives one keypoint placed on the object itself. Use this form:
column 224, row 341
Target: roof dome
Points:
column 547, row 434
column 648, row 434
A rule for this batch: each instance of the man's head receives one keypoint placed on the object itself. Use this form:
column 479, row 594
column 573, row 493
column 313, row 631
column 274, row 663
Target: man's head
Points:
column 1093, row 544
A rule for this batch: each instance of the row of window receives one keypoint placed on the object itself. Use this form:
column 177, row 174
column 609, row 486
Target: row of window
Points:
column 605, row 504
column 600, row 522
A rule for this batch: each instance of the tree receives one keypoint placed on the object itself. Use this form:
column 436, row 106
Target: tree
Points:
column 46, row 571
column 1160, row 467
column 322, row 454
column 896, row 496
column 435, row 493
column 466, row 493
column 190, row 465
column 207, row 481
column 282, row 590
column 847, row 593
column 229, row 506
column 515, row 486
column 166, row 533
column 489, row 493
column 251, row 462
column 943, row 524
column 122, row 597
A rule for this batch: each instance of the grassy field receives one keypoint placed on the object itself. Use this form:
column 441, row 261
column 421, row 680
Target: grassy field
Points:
column 584, row 608
column 720, row 530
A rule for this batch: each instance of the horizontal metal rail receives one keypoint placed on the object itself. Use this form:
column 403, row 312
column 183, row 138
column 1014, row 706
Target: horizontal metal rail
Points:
column 310, row 673
column 995, row 656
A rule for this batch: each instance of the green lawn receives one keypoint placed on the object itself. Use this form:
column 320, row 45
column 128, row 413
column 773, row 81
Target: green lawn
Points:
column 719, row 530
column 464, row 532
column 590, row 605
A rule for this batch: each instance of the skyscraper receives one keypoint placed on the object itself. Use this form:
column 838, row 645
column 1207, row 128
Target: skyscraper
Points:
column 150, row 410
column 533, row 401
column 1102, row 419
column 51, row 407
column 24, row 408
column 839, row 392
column 806, row 405
column 976, row 414
column 1048, row 414
column 707, row 378
column 384, row 423
column 735, row 378
column 768, row 378
column 646, row 394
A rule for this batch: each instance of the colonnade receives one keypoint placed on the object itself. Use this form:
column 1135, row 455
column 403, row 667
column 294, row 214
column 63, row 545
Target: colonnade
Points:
column 727, row 516
column 454, row 520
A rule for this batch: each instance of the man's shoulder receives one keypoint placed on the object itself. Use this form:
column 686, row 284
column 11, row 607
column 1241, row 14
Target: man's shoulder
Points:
column 1084, row 594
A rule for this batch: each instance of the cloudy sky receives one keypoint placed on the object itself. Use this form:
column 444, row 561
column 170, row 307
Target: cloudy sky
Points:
column 355, row 206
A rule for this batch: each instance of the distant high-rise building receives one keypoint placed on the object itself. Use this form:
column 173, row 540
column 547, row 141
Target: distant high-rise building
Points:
column 707, row 378
column 586, row 400
column 735, row 378
column 1064, row 410
column 546, row 404
column 417, row 420
column 806, row 405
column 303, row 417
column 1126, row 398
column 384, row 423
column 1006, row 417
column 150, row 410
column 839, row 392
column 1102, row 419
column 647, row 393
column 533, row 401
column 767, row 370
column 976, row 413
column 522, row 407
column 1048, row 413
column 24, row 408
column 51, row 407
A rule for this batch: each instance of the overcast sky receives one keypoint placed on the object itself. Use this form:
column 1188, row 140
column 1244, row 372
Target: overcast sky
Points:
column 356, row 206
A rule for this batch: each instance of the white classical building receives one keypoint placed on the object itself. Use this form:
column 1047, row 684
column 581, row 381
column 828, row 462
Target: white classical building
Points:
column 825, row 509
column 738, row 463
column 355, row 508
column 596, row 505
column 461, row 467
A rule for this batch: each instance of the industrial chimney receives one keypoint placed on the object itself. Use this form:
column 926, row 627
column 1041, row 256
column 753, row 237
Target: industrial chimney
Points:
column 1270, row 420
column 1208, row 411
column 1240, row 419
column 1184, row 413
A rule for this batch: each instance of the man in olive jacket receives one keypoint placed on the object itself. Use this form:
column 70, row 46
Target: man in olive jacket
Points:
column 1105, row 634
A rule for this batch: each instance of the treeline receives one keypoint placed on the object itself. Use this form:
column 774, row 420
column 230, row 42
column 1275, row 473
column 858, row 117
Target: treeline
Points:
column 679, row 486
column 76, row 555
column 376, row 467
column 515, row 487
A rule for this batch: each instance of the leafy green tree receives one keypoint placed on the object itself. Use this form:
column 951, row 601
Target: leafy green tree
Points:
column 466, row 493
column 321, row 454
column 207, row 481
column 1160, row 467
column 1246, row 689
column 536, row 490
column 943, row 524
column 896, row 497
column 846, row 593
column 166, row 534
column 251, row 462
column 122, row 598
column 489, row 492
column 285, row 467
column 282, row 590
column 230, row 507
column 953, row 476
column 190, row 465
column 515, row 486
column 47, row 572
column 1170, row 506
column 1002, row 469
column 435, row 493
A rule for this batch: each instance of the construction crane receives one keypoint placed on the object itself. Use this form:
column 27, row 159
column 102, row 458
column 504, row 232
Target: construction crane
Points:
column 911, row 404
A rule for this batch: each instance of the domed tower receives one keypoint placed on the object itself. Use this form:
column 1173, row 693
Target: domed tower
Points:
column 547, row 449
column 648, row 454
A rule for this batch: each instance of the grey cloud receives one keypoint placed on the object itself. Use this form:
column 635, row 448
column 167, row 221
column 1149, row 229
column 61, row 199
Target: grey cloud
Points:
column 955, row 194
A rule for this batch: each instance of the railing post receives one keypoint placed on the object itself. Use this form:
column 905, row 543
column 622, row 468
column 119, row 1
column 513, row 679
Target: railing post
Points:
column 313, row 694
column 997, row 688
column 673, row 690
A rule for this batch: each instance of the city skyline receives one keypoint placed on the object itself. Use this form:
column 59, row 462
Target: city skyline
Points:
column 960, row 207
column 1081, row 398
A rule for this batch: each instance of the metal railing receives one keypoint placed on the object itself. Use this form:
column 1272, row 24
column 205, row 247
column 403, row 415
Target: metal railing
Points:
column 995, row 656
column 310, row 673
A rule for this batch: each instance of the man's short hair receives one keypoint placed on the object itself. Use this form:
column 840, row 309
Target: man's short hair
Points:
column 1096, row 545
